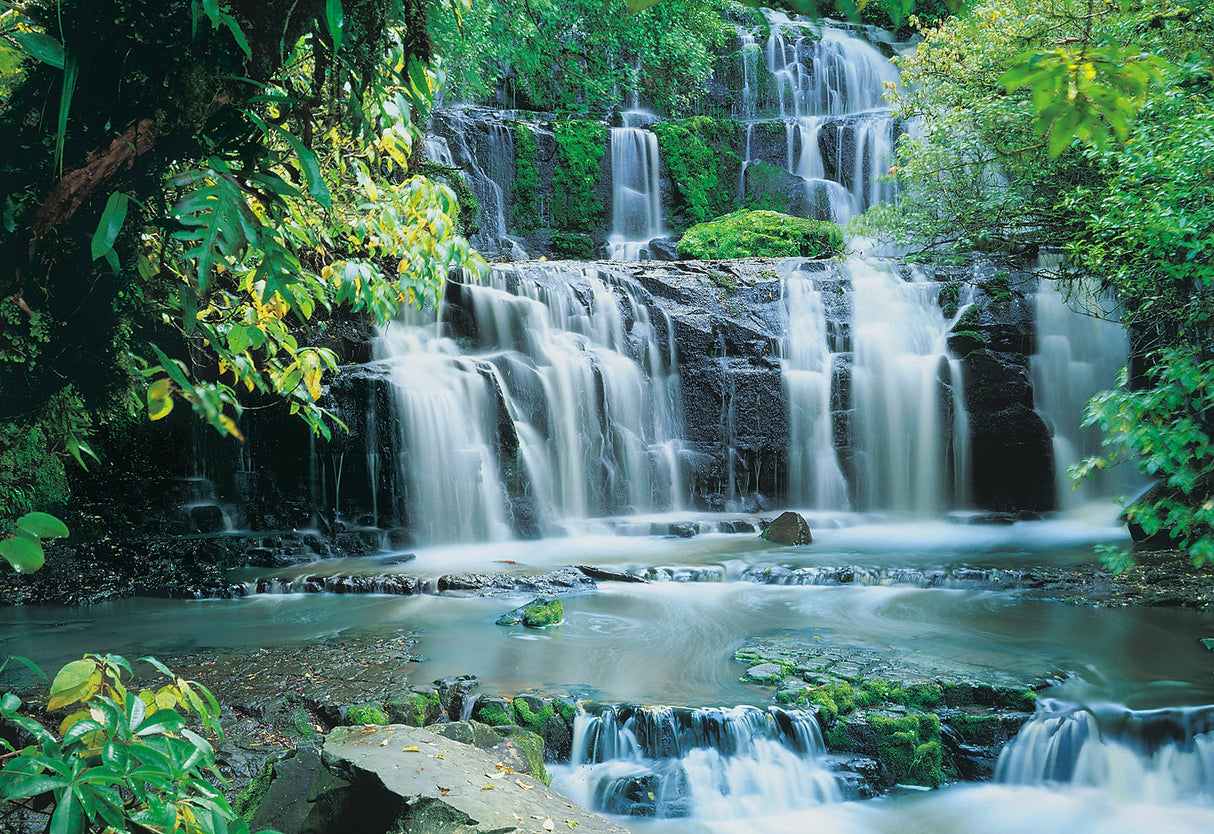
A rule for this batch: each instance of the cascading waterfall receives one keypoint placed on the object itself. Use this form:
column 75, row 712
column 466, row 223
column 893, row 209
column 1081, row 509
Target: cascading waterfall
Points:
column 1081, row 346
column 636, row 194
column 1162, row 756
column 568, row 374
column 488, row 164
column 815, row 477
column 710, row 763
column 906, row 393
column 828, row 87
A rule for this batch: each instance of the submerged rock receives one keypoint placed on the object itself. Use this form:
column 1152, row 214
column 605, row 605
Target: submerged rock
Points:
column 539, row 613
column 789, row 528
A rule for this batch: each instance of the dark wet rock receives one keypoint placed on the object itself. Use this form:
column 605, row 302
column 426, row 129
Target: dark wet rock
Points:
column 424, row 782
column 454, row 692
column 207, row 518
column 683, row 529
column 551, row 583
column 277, row 799
column 608, row 575
column 789, row 528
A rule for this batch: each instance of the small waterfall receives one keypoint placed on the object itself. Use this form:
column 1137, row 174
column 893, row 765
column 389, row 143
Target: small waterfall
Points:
column 558, row 403
column 1081, row 346
column 709, row 763
column 482, row 146
column 906, row 435
column 636, row 194
column 1161, row 756
column 827, row 89
column 815, row 477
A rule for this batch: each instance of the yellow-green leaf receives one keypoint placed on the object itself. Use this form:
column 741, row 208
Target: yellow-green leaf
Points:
column 77, row 681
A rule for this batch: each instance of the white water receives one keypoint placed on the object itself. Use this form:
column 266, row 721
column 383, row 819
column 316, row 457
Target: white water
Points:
column 569, row 363
column 1081, row 346
column 828, row 87
column 636, row 194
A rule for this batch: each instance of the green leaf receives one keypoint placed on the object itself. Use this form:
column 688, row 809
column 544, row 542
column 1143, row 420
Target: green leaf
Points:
column 43, row 525
column 43, row 47
column 161, row 721
column 335, row 21
column 311, row 167
column 109, row 226
column 24, row 555
column 69, row 815
column 76, row 675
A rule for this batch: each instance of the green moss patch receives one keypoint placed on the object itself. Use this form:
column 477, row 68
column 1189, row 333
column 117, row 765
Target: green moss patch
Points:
column 762, row 234
column 366, row 714
column 700, row 156
column 526, row 206
column 571, row 246
column 580, row 148
column 909, row 747
column 417, row 709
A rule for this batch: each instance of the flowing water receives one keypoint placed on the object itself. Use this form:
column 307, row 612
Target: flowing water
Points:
column 636, row 194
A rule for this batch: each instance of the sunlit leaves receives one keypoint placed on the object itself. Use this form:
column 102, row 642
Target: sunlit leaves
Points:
column 125, row 759
column 1084, row 92
column 112, row 218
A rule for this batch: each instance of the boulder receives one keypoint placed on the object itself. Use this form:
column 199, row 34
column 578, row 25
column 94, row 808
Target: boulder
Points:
column 418, row 781
column 539, row 613
column 789, row 528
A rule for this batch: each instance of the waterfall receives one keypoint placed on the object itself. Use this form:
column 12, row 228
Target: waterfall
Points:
column 827, row 90
column 906, row 436
column 482, row 145
column 558, row 402
column 1161, row 756
column 1081, row 346
column 815, row 477
column 636, row 194
column 710, row 763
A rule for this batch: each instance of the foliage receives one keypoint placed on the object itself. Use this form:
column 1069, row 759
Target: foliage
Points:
column 125, row 759
column 526, row 208
column 766, row 187
column 571, row 246
column 23, row 550
column 700, row 156
column 580, row 148
column 1166, row 429
column 581, row 55
column 173, row 218
column 761, row 234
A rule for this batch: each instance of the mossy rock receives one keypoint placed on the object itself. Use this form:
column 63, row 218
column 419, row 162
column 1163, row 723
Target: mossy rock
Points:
column 416, row 709
column 249, row 800
column 366, row 714
column 909, row 747
column 539, row 613
column 530, row 745
column 766, row 673
column 493, row 711
column 762, row 234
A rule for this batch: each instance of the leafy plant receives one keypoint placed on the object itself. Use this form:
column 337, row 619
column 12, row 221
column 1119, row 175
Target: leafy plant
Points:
column 1166, row 430
column 123, row 759
column 23, row 550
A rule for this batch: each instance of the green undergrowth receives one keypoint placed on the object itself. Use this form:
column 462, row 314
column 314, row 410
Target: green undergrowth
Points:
column 526, row 206
column 580, row 148
column 700, row 156
column 468, row 209
column 762, row 234
column 765, row 187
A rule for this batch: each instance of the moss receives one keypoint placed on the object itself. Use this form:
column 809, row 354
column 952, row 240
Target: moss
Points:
column 571, row 246
column 1022, row 700
column 417, row 709
column 493, row 714
column 909, row 747
column 758, row 234
column 998, row 287
column 299, row 723
column 531, row 746
column 543, row 613
column 366, row 714
column 700, row 156
column 980, row 730
column 529, row 718
column 837, row 737
column 247, row 803
column 725, row 281
column 949, row 299
column 565, row 710
column 765, row 188
column 525, row 210
column 580, row 148
column 922, row 696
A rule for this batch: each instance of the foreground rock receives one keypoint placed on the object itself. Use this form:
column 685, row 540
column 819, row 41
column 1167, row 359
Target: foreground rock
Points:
column 789, row 528
column 412, row 780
